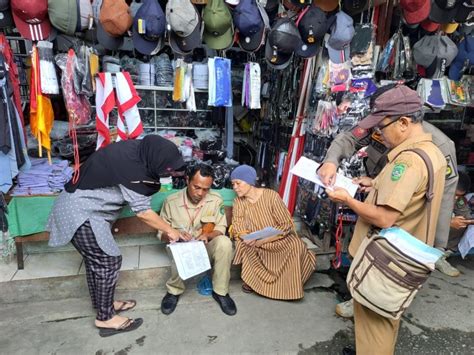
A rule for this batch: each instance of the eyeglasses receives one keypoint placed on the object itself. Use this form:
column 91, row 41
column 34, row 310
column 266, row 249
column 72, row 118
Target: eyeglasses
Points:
column 379, row 130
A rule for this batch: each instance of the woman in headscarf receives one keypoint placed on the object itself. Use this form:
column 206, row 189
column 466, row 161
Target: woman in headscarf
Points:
column 276, row 267
column 126, row 172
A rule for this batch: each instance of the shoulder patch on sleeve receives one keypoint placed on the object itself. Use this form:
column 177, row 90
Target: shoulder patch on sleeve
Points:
column 451, row 171
column 359, row 133
column 222, row 209
column 398, row 171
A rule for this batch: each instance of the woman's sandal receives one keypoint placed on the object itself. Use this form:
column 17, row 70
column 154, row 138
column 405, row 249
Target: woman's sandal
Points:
column 127, row 326
column 126, row 305
column 246, row 288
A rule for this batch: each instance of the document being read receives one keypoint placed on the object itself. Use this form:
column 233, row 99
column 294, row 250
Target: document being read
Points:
column 306, row 169
column 467, row 241
column 190, row 257
column 262, row 234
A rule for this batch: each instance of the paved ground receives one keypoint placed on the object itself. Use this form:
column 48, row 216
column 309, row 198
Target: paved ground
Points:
column 440, row 321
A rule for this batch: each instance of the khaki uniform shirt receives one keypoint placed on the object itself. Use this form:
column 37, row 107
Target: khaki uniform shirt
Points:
column 185, row 216
column 402, row 185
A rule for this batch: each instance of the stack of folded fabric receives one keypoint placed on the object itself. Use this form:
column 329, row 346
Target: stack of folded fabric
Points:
column 43, row 178
column 111, row 64
column 146, row 74
column 163, row 69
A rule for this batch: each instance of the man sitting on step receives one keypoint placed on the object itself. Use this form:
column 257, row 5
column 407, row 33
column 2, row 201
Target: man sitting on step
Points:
column 199, row 214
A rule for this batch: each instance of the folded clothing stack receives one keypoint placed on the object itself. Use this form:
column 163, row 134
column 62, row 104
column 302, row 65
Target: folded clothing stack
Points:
column 43, row 178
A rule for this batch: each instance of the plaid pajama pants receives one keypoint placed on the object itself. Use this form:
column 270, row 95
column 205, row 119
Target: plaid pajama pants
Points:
column 102, row 271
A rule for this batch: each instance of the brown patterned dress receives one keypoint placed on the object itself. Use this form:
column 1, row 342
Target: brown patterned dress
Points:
column 277, row 269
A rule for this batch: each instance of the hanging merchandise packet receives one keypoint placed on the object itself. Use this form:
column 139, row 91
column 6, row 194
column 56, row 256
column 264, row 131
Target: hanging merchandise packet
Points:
column 49, row 79
column 211, row 101
column 255, row 85
column 223, row 82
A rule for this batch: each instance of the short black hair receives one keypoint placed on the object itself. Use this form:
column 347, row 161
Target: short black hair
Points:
column 464, row 182
column 204, row 169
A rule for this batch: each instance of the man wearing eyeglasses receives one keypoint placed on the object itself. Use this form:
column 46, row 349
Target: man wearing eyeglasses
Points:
column 396, row 197
column 347, row 143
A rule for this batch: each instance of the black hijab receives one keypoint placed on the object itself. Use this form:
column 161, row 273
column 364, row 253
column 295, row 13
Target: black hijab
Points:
column 135, row 164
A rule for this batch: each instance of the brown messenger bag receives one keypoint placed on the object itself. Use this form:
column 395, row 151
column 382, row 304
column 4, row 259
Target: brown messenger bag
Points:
column 383, row 278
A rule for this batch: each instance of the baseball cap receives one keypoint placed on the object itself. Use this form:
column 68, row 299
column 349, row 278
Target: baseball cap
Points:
column 282, row 41
column 252, row 23
column 218, row 27
column 6, row 19
column 449, row 27
column 312, row 25
column 184, row 24
column 63, row 15
column 465, row 11
column 115, row 17
column 443, row 11
column 434, row 53
column 342, row 32
column 105, row 40
column 149, row 26
column 430, row 26
column 31, row 18
column 464, row 59
column 353, row 7
column 396, row 102
column 85, row 14
column 326, row 5
column 466, row 28
column 415, row 11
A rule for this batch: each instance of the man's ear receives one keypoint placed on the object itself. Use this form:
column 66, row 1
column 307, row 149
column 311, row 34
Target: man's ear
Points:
column 187, row 180
column 405, row 121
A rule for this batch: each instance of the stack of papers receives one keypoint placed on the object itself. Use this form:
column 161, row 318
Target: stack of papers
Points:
column 306, row 169
column 263, row 234
column 190, row 257
column 411, row 246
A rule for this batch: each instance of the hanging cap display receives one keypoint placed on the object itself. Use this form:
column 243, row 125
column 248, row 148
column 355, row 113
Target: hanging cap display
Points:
column 31, row 18
column 252, row 23
column 342, row 32
column 218, row 26
column 444, row 11
column 105, row 40
column 434, row 53
column 149, row 26
column 6, row 19
column 415, row 11
column 115, row 17
column 312, row 25
column 464, row 58
column 184, row 25
column 282, row 41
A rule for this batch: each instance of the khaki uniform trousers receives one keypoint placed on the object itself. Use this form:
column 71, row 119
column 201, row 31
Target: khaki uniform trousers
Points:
column 220, row 253
column 375, row 335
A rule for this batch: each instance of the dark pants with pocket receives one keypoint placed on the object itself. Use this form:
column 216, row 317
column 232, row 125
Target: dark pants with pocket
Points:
column 102, row 271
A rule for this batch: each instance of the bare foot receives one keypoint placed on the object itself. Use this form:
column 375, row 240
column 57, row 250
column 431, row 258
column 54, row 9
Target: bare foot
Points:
column 115, row 322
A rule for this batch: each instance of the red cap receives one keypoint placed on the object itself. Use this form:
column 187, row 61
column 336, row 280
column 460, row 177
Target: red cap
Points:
column 31, row 18
column 415, row 11
column 430, row 26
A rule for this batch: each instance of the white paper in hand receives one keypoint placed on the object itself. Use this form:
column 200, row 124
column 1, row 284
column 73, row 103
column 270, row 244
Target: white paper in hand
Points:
column 191, row 258
column 306, row 169
column 467, row 241
column 262, row 234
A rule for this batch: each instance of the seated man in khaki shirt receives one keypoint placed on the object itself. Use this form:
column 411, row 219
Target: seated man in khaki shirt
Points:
column 396, row 197
column 199, row 213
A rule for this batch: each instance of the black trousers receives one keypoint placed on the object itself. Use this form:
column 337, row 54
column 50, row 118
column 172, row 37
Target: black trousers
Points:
column 102, row 271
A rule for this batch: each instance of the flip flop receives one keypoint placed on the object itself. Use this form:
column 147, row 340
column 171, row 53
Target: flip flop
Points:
column 124, row 307
column 127, row 326
column 246, row 288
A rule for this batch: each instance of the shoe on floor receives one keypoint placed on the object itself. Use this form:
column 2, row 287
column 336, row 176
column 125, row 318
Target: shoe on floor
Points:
column 227, row 304
column 446, row 268
column 169, row 302
column 127, row 326
column 345, row 309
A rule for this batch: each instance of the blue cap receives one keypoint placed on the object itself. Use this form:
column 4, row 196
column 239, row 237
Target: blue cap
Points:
column 245, row 173
column 153, row 20
column 464, row 58
column 252, row 22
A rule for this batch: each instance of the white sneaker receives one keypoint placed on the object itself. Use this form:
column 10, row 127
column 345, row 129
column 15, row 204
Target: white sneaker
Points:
column 345, row 309
column 446, row 268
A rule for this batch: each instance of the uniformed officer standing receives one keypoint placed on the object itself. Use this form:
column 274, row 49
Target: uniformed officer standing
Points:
column 347, row 143
column 396, row 197
column 199, row 214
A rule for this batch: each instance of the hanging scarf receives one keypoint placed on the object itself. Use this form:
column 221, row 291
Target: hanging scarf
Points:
column 135, row 164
